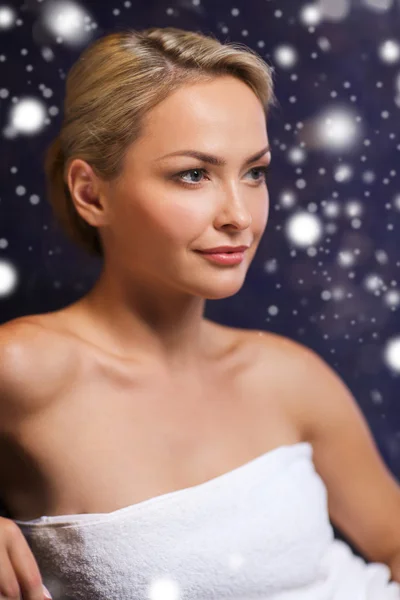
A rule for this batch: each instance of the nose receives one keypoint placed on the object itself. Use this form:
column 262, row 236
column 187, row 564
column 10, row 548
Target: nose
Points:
column 234, row 209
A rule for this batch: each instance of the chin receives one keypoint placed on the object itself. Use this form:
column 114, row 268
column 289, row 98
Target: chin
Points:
column 220, row 294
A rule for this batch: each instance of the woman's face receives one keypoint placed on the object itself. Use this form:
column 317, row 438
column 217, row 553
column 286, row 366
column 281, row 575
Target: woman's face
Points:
column 159, row 216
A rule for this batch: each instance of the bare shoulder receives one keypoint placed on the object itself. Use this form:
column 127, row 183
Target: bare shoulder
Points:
column 297, row 372
column 34, row 362
column 345, row 453
column 286, row 354
column 321, row 397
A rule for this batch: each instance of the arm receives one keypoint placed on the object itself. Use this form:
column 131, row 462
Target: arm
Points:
column 27, row 351
column 363, row 495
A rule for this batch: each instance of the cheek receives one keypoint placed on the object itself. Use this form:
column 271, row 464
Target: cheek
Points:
column 262, row 209
column 182, row 219
column 265, row 210
column 159, row 224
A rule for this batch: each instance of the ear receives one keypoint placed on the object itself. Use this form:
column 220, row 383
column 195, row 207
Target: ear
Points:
column 87, row 192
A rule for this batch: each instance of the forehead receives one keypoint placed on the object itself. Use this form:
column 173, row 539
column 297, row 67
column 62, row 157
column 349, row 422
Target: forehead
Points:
column 206, row 115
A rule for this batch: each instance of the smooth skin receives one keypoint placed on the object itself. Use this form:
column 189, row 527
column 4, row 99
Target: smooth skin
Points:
column 151, row 222
column 152, row 219
column 151, row 294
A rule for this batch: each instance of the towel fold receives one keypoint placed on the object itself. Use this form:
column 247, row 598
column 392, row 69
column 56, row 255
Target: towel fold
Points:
column 258, row 532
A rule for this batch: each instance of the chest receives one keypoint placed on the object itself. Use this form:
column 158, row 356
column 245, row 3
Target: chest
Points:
column 258, row 532
column 105, row 444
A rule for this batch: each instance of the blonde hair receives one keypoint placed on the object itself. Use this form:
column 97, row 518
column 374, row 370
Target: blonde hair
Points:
column 114, row 83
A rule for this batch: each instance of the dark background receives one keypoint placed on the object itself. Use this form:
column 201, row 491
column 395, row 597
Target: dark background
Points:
column 337, row 293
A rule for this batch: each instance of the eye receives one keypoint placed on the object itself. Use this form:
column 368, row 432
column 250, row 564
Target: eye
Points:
column 262, row 168
column 182, row 173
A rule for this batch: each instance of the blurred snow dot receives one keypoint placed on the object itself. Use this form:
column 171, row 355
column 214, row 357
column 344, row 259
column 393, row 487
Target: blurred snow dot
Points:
column 8, row 278
column 331, row 228
column 4, row 93
column 235, row 560
column 343, row 173
column 373, row 282
column 311, row 14
column 296, row 155
column 389, row 51
column 273, row 310
column 271, row 266
column 21, row 190
column 285, row 56
column 346, row 258
column 396, row 201
column 331, row 209
column 353, row 208
column 47, row 54
column 301, row 184
column 392, row 298
column 335, row 10
column 326, row 295
column 382, row 257
column 66, row 21
column 304, row 229
column 337, row 129
column 376, row 397
column 164, row 589
column 34, row 199
column 324, row 44
column 391, row 354
column 378, row 5
column 338, row 293
column 368, row 177
column 288, row 199
column 7, row 17
column 27, row 115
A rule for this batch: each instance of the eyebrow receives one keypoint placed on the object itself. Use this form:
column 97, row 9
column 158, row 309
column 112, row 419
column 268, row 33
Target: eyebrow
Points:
column 215, row 160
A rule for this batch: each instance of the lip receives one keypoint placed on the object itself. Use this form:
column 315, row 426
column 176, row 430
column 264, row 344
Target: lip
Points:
column 224, row 249
column 224, row 258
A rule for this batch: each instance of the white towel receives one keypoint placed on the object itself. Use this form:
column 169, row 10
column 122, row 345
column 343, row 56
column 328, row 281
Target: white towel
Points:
column 258, row 532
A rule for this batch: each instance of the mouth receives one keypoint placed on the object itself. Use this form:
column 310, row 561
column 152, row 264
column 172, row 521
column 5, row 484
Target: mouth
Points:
column 225, row 250
column 224, row 258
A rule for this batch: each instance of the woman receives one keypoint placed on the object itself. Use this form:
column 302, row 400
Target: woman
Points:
column 155, row 453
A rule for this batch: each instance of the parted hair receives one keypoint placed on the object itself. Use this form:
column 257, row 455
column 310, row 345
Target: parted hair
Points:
column 112, row 86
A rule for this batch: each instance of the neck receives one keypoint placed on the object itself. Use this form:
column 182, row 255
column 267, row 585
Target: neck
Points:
column 168, row 327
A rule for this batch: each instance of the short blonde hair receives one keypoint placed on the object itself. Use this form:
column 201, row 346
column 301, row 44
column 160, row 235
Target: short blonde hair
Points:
column 114, row 83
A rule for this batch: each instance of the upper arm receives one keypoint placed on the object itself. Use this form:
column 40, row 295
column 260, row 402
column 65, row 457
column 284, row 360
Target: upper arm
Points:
column 363, row 495
column 31, row 369
column 12, row 359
